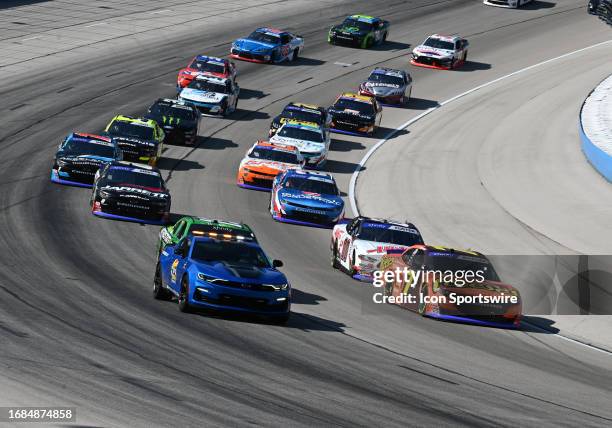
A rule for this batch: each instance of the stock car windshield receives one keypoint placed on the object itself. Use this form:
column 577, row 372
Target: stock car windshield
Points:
column 274, row 155
column 301, row 134
column 177, row 112
column 73, row 148
column 398, row 235
column 208, row 86
column 229, row 253
column 360, row 106
column 212, row 67
column 311, row 185
column 439, row 44
column 446, row 261
column 363, row 26
column 118, row 176
column 385, row 78
column 259, row 36
column 302, row 115
column 129, row 129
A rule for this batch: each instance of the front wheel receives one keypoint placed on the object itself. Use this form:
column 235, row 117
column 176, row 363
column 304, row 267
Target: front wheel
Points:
column 334, row 258
column 296, row 54
column 159, row 292
column 183, row 298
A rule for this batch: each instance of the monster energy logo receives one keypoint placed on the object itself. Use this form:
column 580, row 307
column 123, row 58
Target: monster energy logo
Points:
column 171, row 120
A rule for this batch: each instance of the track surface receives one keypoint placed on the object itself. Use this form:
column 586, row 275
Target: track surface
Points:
column 79, row 326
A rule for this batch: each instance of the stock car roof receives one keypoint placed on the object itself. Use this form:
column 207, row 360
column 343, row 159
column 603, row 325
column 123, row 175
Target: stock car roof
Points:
column 82, row 137
column 139, row 121
column 374, row 220
column 310, row 175
column 356, row 97
column 436, row 250
column 220, row 225
column 388, row 72
column 207, row 77
column 134, row 166
column 271, row 30
column 445, row 37
column 207, row 58
column 275, row 147
column 364, row 18
column 303, row 107
column 302, row 125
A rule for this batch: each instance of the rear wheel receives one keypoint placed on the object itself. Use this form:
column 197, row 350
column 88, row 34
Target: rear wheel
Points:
column 334, row 257
column 296, row 54
column 183, row 298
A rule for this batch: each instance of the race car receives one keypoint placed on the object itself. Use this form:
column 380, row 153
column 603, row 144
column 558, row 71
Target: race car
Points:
column 450, row 284
column 264, row 161
column 190, row 226
column 441, row 52
column 388, row 86
column 592, row 6
column 140, row 140
column 604, row 11
column 311, row 140
column 355, row 114
column 206, row 65
column 130, row 192
column 302, row 112
column 179, row 120
column 222, row 272
column 79, row 157
column 211, row 95
column 307, row 198
column 361, row 31
column 357, row 246
column 515, row 4
column 269, row 45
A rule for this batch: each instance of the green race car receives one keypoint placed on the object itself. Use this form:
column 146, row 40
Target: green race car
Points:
column 189, row 226
column 359, row 31
column 140, row 140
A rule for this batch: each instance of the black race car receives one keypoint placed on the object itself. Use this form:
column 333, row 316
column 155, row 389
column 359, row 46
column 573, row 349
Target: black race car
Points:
column 361, row 31
column 592, row 6
column 355, row 114
column 178, row 119
column 303, row 113
column 604, row 11
column 131, row 192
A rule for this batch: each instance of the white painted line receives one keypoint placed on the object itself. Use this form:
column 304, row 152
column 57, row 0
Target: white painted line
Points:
column 391, row 133
column 160, row 11
column 30, row 38
column 569, row 339
column 96, row 24
column 343, row 64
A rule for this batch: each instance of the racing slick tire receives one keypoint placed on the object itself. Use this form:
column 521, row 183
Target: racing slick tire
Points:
column 465, row 57
column 334, row 257
column 452, row 63
column 159, row 292
column 281, row 319
column 224, row 107
column 368, row 43
column 183, row 300
column 296, row 55
column 384, row 39
column 351, row 268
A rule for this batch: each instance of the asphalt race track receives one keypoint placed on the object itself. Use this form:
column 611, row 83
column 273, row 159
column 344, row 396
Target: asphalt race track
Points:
column 79, row 326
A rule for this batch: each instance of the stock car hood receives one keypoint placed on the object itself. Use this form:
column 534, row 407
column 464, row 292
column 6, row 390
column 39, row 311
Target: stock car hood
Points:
column 486, row 288
column 266, row 166
column 171, row 122
column 432, row 52
column 378, row 88
column 138, row 192
column 253, row 45
column 353, row 31
column 191, row 94
column 85, row 159
column 302, row 145
column 247, row 274
column 377, row 248
column 134, row 141
column 310, row 200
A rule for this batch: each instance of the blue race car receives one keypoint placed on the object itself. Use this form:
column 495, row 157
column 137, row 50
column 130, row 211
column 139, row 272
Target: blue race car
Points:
column 268, row 45
column 80, row 156
column 223, row 271
column 308, row 198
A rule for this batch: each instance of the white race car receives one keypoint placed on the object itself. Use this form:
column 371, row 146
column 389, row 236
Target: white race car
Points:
column 211, row 95
column 311, row 140
column 357, row 246
column 514, row 4
column 440, row 51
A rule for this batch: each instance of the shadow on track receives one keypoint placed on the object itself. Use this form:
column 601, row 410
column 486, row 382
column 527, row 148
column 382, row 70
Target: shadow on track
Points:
column 391, row 46
column 344, row 146
column 340, row 167
column 473, row 66
column 178, row 164
column 421, row 104
column 304, row 298
column 536, row 5
column 247, row 94
column 242, row 115
column 214, row 143
column 6, row 4
column 533, row 324
column 310, row 62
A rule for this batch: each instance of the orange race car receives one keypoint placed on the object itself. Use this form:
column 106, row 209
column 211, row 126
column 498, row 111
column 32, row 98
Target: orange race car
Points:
column 263, row 161
column 444, row 283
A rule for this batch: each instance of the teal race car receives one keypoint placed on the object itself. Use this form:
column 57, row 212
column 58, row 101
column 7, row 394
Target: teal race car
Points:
column 361, row 31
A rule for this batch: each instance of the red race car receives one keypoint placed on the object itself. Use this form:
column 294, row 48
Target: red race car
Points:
column 206, row 65
column 448, row 284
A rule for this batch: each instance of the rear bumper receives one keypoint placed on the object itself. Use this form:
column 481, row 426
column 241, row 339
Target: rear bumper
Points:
column 282, row 219
column 247, row 56
column 434, row 63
